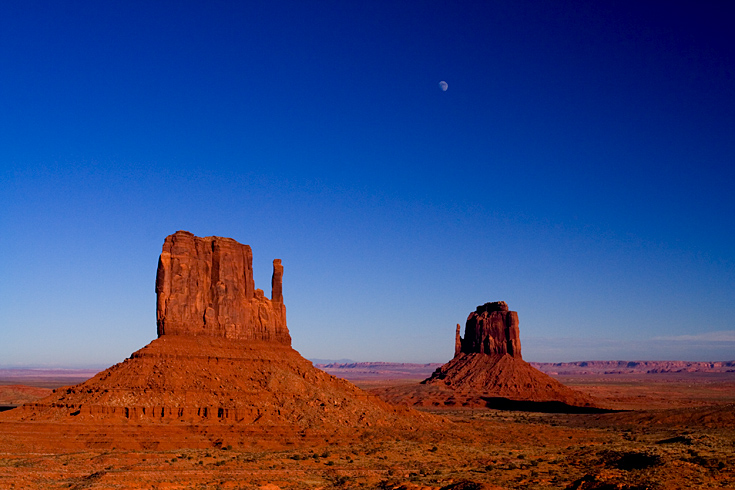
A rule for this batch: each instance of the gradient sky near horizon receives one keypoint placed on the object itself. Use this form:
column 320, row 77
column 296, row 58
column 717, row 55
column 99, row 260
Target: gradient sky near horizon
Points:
column 579, row 166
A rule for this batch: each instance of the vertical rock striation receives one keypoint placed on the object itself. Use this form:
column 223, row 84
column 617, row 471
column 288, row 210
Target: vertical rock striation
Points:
column 205, row 286
column 491, row 329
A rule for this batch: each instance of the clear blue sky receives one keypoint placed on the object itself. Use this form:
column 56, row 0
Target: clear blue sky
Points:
column 579, row 167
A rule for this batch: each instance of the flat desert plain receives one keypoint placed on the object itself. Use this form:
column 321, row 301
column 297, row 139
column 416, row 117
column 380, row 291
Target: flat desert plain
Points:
column 673, row 430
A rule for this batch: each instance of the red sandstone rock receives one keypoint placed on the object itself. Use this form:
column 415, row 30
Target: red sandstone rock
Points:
column 492, row 329
column 210, row 379
column 205, row 286
column 277, row 282
column 487, row 363
column 457, row 342
column 223, row 355
column 503, row 376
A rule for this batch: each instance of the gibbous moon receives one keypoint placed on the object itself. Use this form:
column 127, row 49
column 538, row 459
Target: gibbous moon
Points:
column 443, row 85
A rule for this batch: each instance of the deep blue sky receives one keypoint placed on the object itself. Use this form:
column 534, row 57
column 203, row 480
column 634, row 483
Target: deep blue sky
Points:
column 579, row 167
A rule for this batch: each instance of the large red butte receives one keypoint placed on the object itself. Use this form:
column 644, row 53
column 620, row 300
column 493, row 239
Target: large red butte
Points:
column 204, row 286
column 223, row 355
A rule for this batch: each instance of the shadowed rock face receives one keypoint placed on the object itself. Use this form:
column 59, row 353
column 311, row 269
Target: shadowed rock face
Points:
column 204, row 286
column 490, row 329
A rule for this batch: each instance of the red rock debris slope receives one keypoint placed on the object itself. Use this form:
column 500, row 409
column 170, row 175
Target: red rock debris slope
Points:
column 223, row 356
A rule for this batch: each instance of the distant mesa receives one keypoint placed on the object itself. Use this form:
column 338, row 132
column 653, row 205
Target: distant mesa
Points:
column 488, row 370
column 223, row 355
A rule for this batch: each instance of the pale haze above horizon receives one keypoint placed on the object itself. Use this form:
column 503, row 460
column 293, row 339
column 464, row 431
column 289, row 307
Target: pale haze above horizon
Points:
column 406, row 161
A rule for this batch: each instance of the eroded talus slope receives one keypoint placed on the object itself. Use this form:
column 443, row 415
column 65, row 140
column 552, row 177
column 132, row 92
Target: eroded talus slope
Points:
column 504, row 376
column 181, row 378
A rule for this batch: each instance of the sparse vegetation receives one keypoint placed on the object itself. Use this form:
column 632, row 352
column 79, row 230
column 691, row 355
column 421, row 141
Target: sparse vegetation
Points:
column 653, row 450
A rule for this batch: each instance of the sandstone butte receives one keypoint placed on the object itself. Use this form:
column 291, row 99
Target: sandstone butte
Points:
column 488, row 366
column 223, row 356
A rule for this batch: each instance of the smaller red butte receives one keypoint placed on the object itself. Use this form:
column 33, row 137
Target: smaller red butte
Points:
column 487, row 363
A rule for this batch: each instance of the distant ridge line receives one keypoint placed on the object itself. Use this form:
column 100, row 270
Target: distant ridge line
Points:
column 406, row 369
column 622, row 367
column 375, row 364
column 346, row 365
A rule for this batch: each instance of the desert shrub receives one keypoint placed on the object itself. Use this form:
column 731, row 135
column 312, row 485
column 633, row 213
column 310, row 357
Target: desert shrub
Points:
column 637, row 461
column 687, row 441
column 593, row 482
column 341, row 481
column 705, row 462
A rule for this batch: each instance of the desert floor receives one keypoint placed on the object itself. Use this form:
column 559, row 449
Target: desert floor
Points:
column 673, row 431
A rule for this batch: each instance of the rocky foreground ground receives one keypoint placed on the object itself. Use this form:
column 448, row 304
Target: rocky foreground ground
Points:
column 678, row 432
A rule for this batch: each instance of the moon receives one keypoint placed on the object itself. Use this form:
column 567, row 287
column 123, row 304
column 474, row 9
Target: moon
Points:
column 443, row 85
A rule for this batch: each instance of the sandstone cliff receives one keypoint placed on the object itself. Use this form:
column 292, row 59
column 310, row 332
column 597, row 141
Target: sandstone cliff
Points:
column 491, row 329
column 204, row 286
